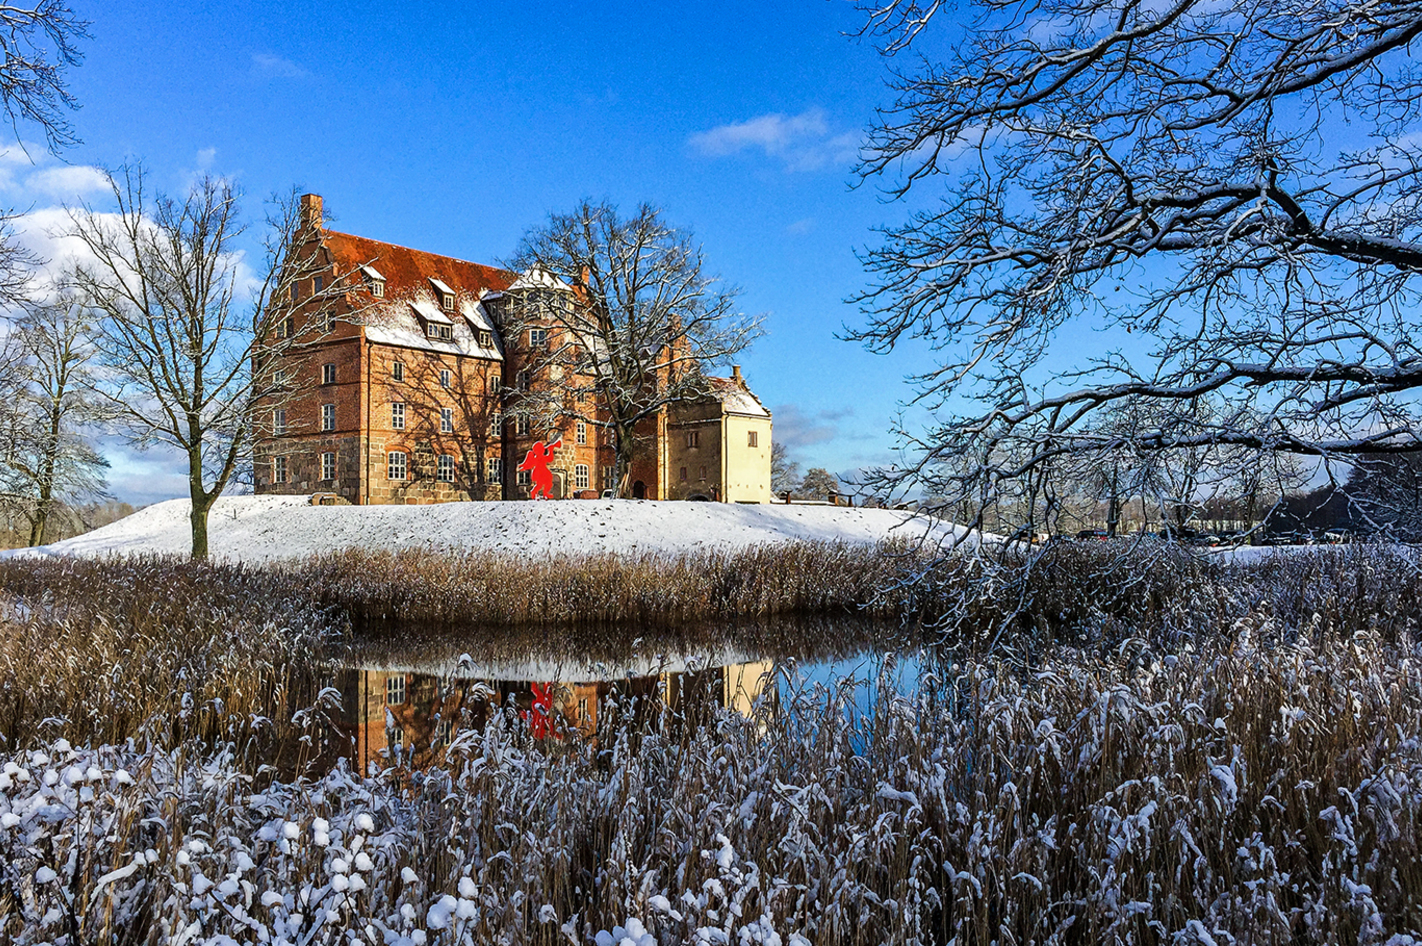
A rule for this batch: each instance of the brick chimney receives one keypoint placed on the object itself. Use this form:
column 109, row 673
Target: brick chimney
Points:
column 736, row 375
column 311, row 211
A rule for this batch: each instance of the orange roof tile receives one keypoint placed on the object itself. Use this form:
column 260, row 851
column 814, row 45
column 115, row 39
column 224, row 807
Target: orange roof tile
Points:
column 406, row 271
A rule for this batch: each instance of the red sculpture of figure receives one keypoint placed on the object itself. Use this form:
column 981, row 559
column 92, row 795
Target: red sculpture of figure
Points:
column 540, row 716
column 537, row 464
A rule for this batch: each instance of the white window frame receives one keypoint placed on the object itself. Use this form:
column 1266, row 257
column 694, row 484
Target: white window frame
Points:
column 328, row 417
column 395, row 690
column 538, row 338
column 377, row 288
column 580, row 476
column 494, row 469
column 397, row 460
column 496, row 424
column 397, row 371
column 328, row 467
column 445, row 378
column 525, row 478
column 279, row 470
column 486, row 339
column 753, row 438
column 397, row 415
column 523, row 426
column 279, row 422
column 444, row 468
column 581, row 432
column 446, row 420
column 328, row 373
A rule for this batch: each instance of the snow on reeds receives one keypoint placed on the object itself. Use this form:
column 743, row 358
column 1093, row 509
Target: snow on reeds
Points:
column 157, row 649
column 1243, row 792
column 1190, row 754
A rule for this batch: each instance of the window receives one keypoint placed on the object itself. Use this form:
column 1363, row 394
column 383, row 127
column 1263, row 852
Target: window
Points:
column 538, row 337
column 278, row 469
column 281, row 377
column 295, row 294
column 279, row 422
column 495, row 383
column 523, row 426
column 753, row 438
column 395, row 465
column 683, row 474
column 287, row 328
column 328, row 374
column 444, row 377
column 328, row 417
column 582, row 432
column 494, row 469
column 496, row 424
column 435, row 330
column 486, row 339
column 525, row 478
column 377, row 288
column 607, row 477
column 443, row 730
column 328, row 322
column 395, row 690
column 397, row 415
column 397, row 738
column 328, row 466
column 693, row 438
column 444, row 468
column 523, row 380
column 446, row 301
column 318, row 283
column 580, row 476
column 703, row 474
column 397, row 371
column 446, row 420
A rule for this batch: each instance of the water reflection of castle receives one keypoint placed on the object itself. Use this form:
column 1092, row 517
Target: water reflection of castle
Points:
column 420, row 713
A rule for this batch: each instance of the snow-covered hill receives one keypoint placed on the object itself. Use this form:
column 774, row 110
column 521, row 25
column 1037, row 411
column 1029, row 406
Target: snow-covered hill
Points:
column 264, row 528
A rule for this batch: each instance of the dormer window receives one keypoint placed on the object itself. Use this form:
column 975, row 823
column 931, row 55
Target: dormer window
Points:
column 443, row 293
column 435, row 323
column 374, row 281
column 486, row 339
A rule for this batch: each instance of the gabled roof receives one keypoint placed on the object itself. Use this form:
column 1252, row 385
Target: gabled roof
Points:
column 736, row 398
column 406, row 270
column 409, row 275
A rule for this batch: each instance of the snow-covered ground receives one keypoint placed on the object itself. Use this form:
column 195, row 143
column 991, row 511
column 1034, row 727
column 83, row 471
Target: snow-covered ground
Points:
column 265, row 528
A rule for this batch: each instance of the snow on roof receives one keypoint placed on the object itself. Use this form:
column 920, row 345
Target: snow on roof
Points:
column 441, row 286
column 372, row 272
column 539, row 279
column 395, row 324
column 736, row 398
column 430, row 312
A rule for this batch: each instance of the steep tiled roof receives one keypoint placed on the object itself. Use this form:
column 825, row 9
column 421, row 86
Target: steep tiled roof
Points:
column 406, row 270
column 409, row 279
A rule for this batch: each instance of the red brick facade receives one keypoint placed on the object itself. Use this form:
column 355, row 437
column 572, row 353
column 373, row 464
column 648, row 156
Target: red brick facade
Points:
column 401, row 394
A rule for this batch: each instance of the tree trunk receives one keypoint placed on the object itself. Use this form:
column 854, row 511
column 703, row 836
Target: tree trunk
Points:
column 625, row 454
column 47, row 463
column 202, row 502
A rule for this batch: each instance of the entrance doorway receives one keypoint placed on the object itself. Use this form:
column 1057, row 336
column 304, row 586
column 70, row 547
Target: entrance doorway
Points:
column 639, row 490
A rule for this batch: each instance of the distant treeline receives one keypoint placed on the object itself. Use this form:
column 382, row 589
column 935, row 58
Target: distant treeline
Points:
column 65, row 521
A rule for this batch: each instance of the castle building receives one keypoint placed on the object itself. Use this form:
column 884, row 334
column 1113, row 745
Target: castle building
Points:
column 409, row 391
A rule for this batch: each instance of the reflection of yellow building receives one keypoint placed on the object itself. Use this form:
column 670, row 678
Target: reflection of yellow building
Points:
column 421, row 713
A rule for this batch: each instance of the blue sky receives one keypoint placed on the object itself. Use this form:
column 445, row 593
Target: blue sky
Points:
column 454, row 127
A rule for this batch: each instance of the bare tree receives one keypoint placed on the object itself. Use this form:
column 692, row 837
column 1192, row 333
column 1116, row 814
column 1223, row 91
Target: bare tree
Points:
column 630, row 336
column 49, row 460
column 784, row 472
column 1227, row 190
column 189, row 339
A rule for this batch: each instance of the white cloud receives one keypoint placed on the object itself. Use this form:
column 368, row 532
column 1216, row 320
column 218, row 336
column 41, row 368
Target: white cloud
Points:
column 205, row 157
column 804, row 142
column 67, row 183
column 801, row 227
column 275, row 67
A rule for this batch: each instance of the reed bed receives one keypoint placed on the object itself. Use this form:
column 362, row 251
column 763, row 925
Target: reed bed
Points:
column 157, row 649
column 448, row 588
column 1244, row 792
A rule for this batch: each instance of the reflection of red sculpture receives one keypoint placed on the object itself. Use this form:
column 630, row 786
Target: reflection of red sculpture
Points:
column 540, row 717
column 537, row 464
